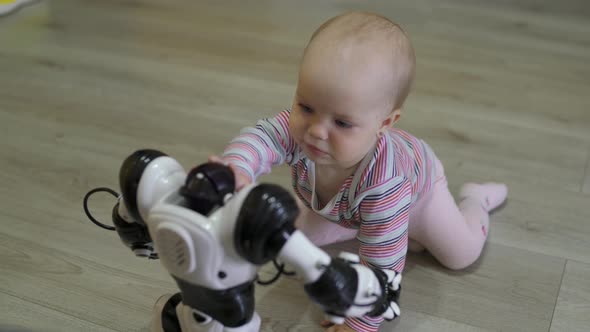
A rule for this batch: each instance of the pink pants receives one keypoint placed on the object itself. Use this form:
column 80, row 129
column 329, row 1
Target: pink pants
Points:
column 452, row 234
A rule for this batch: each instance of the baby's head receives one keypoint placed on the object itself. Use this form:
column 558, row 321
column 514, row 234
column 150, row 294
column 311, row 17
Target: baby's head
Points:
column 363, row 47
column 356, row 73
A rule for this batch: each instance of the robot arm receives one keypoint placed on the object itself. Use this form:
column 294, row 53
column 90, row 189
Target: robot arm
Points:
column 146, row 176
column 127, row 214
column 133, row 234
column 341, row 286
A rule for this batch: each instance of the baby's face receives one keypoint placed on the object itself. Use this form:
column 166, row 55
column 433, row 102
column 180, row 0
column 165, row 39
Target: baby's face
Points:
column 339, row 107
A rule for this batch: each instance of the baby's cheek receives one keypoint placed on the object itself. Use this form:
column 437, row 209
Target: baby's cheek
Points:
column 293, row 129
column 297, row 130
column 353, row 148
column 297, row 136
column 344, row 149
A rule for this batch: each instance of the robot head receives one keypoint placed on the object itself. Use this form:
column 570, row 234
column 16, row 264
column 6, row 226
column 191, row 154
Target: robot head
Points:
column 207, row 186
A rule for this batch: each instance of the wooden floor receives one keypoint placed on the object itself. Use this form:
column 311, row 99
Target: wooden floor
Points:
column 502, row 93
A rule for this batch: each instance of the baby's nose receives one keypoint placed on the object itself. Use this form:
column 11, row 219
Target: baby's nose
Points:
column 318, row 130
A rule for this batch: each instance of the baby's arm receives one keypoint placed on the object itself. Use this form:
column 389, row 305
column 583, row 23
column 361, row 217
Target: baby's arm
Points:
column 383, row 235
column 258, row 148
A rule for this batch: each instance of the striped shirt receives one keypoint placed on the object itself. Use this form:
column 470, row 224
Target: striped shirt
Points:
column 376, row 199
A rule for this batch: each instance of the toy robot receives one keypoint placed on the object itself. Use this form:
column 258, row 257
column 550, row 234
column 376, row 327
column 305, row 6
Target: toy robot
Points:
column 213, row 241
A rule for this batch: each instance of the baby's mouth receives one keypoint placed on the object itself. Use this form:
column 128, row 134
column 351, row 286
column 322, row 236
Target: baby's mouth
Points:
column 315, row 150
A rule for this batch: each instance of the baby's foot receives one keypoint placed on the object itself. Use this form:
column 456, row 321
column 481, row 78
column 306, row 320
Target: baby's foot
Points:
column 490, row 195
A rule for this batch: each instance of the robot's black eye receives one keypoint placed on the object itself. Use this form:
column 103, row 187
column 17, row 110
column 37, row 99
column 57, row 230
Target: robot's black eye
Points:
column 199, row 318
column 221, row 275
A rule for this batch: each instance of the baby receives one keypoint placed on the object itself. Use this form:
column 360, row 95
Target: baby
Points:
column 355, row 174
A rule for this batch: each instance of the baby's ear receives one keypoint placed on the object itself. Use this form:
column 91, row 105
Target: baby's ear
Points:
column 391, row 119
column 396, row 114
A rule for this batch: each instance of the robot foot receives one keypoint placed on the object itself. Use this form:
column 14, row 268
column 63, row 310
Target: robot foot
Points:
column 164, row 318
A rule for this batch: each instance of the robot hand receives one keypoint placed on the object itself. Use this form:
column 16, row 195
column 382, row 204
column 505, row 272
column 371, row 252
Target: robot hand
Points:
column 126, row 215
column 134, row 235
column 342, row 286
column 377, row 288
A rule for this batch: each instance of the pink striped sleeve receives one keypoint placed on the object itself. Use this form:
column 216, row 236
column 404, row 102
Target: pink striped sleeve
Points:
column 259, row 148
column 364, row 324
column 384, row 214
column 383, row 235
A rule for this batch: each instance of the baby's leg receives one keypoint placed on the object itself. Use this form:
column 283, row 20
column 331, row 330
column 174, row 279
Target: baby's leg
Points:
column 319, row 230
column 453, row 234
column 415, row 246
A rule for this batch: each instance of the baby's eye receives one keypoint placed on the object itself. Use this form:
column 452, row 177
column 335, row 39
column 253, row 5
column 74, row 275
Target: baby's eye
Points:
column 305, row 109
column 343, row 124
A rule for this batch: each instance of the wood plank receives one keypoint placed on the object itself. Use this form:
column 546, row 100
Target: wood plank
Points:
column 518, row 285
column 26, row 316
column 420, row 322
column 542, row 219
column 77, row 287
column 586, row 180
column 572, row 312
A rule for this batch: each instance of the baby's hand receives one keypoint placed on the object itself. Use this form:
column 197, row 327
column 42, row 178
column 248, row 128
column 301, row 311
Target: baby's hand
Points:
column 242, row 179
column 339, row 328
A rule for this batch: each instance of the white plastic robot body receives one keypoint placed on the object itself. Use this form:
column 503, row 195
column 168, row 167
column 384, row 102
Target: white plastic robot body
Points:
column 198, row 249
column 190, row 246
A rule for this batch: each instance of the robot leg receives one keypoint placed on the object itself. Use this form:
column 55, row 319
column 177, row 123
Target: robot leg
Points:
column 171, row 315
